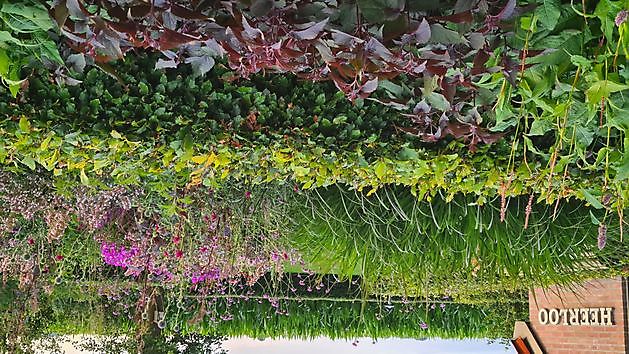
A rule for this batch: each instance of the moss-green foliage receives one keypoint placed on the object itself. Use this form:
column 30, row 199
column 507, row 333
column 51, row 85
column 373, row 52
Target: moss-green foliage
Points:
column 148, row 103
column 404, row 246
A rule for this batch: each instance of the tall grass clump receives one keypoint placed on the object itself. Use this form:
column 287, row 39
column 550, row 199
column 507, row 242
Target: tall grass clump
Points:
column 402, row 245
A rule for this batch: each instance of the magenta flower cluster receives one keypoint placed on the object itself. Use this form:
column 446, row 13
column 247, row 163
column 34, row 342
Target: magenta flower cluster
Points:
column 117, row 256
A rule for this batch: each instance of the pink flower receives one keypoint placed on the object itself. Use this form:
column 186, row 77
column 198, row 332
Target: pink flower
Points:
column 58, row 257
column 179, row 254
column 117, row 256
column 423, row 325
column 31, row 241
column 248, row 195
column 621, row 17
column 176, row 240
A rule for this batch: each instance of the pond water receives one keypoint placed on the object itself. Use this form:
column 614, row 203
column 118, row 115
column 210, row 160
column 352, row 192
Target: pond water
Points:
column 366, row 346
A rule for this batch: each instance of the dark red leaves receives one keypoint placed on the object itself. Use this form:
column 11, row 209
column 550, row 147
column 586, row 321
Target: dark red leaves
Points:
column 420, row 36
column 492, row 22
column 472, row 134
column 311, row 32
column 431, row 131
column 60, row 12
column 379, row 43
column 187, row 14
column 480, row 59
column 506, row 11
column 170, row 39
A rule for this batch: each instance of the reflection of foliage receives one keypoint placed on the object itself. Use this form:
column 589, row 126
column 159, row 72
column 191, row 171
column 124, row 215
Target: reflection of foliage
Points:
column 307, row 319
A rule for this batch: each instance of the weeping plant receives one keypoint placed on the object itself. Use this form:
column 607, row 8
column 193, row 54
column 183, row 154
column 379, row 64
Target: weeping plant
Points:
column 401, row 245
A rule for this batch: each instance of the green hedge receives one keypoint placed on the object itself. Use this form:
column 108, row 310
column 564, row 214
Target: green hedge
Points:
column 146, row 103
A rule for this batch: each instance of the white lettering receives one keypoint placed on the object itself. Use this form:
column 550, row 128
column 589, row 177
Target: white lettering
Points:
column 585, row 317
column 553, row 315
column 543, row 316
column 594, row 317
column 563, row 313
column 606, row 316
column 574, row 317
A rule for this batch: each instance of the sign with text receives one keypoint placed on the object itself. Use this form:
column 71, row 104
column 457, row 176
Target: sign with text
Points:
column 597, row 316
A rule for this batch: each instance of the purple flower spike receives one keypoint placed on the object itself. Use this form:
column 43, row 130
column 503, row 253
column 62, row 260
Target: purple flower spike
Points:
column 621, row 17
column 602, row 236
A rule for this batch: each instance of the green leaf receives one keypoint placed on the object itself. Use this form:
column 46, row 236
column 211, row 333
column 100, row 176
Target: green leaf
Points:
column 379, row 11
column 114, row 134
column 606, row 11
column 622, row 173
column 301, row 171
column 84, row 179
column 187, row 143
column 548, row 13
column 591, row 199
column 100, row 164
column 583, row 136
column 408, row 154
column 438, row 101
column 28, row 161
column 603, row 88
column 504, row 119
column 442, row 35
column 26, row 18
column 25, row 125
column 7, row 38
column 541, row 126
column 594, row 219
column 567, row 42
column 394, row 89
column 4, row 63
column 581, row 61
column 48, row 49
column 381, row 169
